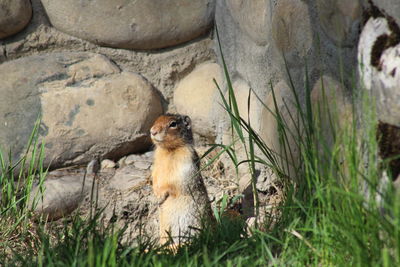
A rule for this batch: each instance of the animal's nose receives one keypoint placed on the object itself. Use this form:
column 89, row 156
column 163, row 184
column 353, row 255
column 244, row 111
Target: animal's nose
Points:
column 153, row 131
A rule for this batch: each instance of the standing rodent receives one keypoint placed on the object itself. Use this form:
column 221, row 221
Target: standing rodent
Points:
column 177, row 182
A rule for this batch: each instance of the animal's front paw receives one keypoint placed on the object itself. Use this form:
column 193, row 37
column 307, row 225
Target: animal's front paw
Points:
column 162, row 200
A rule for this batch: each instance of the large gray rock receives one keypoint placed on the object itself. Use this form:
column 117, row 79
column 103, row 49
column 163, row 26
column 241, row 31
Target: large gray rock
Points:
column 14, row 16
column 340, row 20
column 253, row 18
column 390, row 7
column 286, row 149
column 292, row 31
column 88, row 107
column 60, row 194
column 142, row 24
column 332, row 113
column 129, row 178
column 248, row 111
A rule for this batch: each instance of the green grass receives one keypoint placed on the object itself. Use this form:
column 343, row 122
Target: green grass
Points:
column 330, row 215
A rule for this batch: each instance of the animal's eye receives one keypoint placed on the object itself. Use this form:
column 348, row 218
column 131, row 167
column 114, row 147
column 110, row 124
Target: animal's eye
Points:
column 173, row 124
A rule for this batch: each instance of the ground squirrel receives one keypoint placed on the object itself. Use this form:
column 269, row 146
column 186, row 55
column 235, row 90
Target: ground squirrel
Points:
column 177, row 182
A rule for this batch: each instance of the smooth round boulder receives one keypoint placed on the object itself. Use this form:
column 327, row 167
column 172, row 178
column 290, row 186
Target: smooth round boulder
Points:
column 143, row 24
column 58, row 196
column 196, row 95
column 248, row 111
column 291, row 30
column 14, row 16
column 282, row 101
column 331, row 107
column 252, row 17
column 88, row 107
column 340, row 20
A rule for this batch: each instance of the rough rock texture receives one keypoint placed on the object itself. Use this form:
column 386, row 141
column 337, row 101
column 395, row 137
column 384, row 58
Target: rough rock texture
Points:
column 271, row 130
column 196, row 95
column 88, row 106
column 390, row 7
column 332, row 110
column 134, row 24
column 14, row 16
column 340, row 20
column 128, row 177
column 247, row 110
column 253, row 18
column 61, row 193
column 291, row 30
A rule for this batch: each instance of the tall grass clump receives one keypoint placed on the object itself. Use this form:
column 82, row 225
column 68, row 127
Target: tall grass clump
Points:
column 337, row 210
column 16, row 203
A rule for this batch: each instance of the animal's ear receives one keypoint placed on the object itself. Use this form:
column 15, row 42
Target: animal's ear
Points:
column 187, row 122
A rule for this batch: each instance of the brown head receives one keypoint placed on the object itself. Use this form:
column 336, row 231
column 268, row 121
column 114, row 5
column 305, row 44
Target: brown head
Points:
column 171, row 131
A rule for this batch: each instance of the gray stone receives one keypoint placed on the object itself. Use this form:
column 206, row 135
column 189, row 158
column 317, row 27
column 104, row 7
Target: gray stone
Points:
column 248, row 111
column 121, row 162
column 292, row 31
column 147, row 24
column 340, row 20
column 271, row 132
column 59, row 196
column 14, row 16
column 253, row 18
column 390, row 7
column 128, row 178
column 142, row 165
column 88, row 107
column 131, row 159
column 333, row 115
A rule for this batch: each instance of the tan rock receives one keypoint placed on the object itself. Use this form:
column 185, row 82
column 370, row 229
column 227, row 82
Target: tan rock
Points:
column 88, row 106
column 291, row 30
column 331, row 105
column 196, row 95
column 286, row 156
column 253, row 18
column 107, row 164
column 333, row 116
column 340, row 20
column 128, row 178
column 14, row 16
column 146, row 24
column 247, row 111
column 60, row 194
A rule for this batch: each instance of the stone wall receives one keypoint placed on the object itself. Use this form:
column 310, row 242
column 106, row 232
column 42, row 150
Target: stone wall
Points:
column 100, row 71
